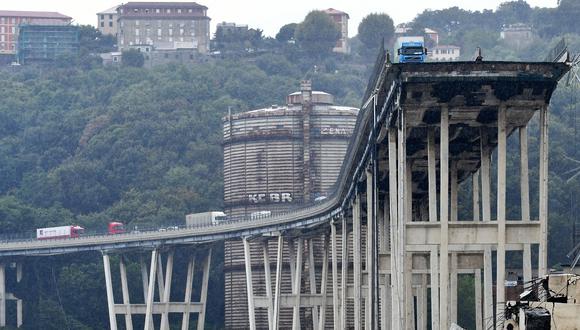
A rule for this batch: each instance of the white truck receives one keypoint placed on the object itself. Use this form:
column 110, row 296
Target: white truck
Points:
column 205, row 218
column 59, row 232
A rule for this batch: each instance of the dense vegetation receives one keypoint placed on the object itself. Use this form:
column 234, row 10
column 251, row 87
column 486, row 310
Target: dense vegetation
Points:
column 84, row 144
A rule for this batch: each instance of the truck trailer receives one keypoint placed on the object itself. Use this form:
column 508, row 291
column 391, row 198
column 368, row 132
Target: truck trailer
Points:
column 59, row 232
column 205, row 218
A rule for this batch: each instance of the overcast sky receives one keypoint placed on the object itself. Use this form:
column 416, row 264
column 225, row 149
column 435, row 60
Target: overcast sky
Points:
column 270, row 15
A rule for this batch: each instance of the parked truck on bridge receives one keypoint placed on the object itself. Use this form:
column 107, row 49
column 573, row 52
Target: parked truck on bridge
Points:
column 412, row 52
column 205, row 218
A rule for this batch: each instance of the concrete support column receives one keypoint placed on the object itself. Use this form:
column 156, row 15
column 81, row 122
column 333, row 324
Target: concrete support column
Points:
column 453, row 289
column 402, row 216
column 324, row 285
column 386, row 304
column 475, row 191
column 444, row 205
column 145, row 281
column 371, row 234
column 268, row 283
column 543, row 202
column 357, row 256
column 335, row 295
column 204, row 288
column 434, row 263
column 453, row 192
column 19, row 318
column 110, row 297
column 167, row 291
column 3, row 295
column 276, row 313
column 409, row 295
column 188, row 291
column 501, row 211
column 525, row 199
column 432, row 174
column 297, row 285
column 485, row 177
column 125, row 289
column 478, row 301
column 396, row 316
column 312, row 278
column 249, row 284
column 151, row 291
column 422, row 303
column 488, row 304
column 344, row 273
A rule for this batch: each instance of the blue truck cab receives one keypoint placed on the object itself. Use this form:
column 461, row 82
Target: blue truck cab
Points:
column 412, row 52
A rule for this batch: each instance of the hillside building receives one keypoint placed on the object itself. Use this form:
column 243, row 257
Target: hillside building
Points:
column 10, row 20
column 107, row 21
column 341, row 19
column 163, row 25
column 517, row 35
column 42, row 43
column 445, row 53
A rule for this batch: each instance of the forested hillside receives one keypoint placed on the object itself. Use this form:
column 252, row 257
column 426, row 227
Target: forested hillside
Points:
column 82, row 144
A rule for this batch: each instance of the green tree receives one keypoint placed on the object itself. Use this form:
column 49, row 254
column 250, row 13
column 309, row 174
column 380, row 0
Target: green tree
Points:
column 375, row 28
column 514, row 12
column 318, row 34
column 286, row 32
column 133, row 58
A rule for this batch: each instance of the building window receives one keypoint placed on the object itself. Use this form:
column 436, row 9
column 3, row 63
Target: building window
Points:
column 102, row 24
column 13, row 20
column 102, row 16
column 166, row 55
column 170, row 32
column 179, row 11
column 159, row 32
column 180, row 32
column 137, row 23
column 157, row 10
column 110, row 24
column 2, row 20
column 168, row 11
column 136, row 32
column 110, row 16
column 190, row 10
column 136, row 10
column 2, row 29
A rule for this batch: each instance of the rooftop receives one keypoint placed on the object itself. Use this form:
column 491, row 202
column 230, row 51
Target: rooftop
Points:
column 332, row 11
column 163, row 5
column 34, row 14
column 112, row 10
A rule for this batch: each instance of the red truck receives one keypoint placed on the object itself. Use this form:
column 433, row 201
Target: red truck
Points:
column 116, row 228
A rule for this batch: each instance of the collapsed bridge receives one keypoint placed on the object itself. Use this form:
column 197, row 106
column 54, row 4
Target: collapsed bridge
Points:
column 392, row 240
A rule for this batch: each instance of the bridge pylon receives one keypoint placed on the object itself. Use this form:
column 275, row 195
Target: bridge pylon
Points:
column 159, row 275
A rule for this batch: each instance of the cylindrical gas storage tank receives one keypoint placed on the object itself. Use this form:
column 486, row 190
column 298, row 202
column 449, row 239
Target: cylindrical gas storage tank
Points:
column 276, row 159
column 279, row 157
